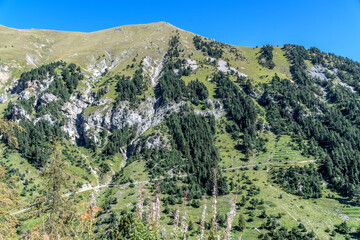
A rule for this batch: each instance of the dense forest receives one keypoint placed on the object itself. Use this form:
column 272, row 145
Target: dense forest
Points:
column 37, row 134
column 130, row 88
column 333, row 135
column 302, row 181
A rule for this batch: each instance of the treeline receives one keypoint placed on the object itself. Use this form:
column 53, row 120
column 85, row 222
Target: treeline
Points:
column 42, row 72
column 347, row 70
column 71, row 75
column 197, row 91
column 171, row 87
column 239, row 106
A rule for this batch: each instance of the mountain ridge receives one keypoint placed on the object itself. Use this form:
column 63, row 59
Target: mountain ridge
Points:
column 67, row 31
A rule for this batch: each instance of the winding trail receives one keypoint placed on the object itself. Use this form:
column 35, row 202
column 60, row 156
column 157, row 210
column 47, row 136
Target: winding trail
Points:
column 268, row 163
column 96, row 188
column 125, row 185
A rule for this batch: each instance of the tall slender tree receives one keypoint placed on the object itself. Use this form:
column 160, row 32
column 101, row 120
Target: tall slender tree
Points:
column 9, row 200
column 55, row 203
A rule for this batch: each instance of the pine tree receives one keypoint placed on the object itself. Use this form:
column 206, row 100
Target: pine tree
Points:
column 9, row 195
column 55, row 203
column 9, row 200
column 343, row 228
column 241, row 223
column 191, row 226
column 8, row 129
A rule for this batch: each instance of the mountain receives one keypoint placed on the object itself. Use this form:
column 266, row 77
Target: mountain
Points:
column 156, row 109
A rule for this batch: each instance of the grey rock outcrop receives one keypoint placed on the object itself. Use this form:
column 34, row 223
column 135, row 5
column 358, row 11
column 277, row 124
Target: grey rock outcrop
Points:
column 46, row 117
column 46, row 98
column 142, row 116
column 3, row 98
column 25, row 95
column 19, row 113
column 153, row 141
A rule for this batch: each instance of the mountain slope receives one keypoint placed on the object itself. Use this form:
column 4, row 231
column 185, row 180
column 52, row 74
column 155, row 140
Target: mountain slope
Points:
column 105, row 48
column 153, row 104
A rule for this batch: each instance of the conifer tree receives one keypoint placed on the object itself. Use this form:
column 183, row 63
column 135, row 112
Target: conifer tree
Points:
column 9, row 200
column 9, row 195
column 241, row 223
column 57, row 206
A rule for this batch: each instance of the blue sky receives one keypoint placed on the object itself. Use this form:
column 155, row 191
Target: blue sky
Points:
column 330, row 25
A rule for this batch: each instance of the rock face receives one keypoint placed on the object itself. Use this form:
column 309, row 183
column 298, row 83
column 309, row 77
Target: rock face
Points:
column 46, row 98
column 109, row 62
column 104, row 115
column 223, row 66
column 192, row 64
column 46, row 117
column 4, row 77
column 90, row 124
column 148, row 114
column 150, row 142
column 142, row 116
column 318, row 72
column 3, row 98
column 87, row 116
column 19, row 113
column 25, row 95
column 73, row 112
column 152, row 68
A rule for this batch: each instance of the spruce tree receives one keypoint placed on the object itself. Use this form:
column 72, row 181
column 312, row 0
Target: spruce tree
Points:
column 55, row 203
column 9, row 200
column 241, row 223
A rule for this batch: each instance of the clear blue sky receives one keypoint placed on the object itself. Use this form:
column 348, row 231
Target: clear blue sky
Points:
column 331, row 25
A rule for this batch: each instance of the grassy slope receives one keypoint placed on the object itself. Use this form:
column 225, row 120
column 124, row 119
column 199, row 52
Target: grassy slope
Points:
column 120, row 44
column 315, row 214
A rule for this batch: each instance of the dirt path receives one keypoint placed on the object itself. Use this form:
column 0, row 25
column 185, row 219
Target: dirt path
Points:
column 122, row 186
column 96, row 188
column 268, row 163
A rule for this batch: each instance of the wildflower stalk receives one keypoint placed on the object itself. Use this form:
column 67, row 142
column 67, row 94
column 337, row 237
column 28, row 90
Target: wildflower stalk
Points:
column 230, row 216
column 176, row 223
column 157, row 206
column 148, row 216
column 163, row 233
column 214, row 222
column 184, row 226
column 202, row 222
column 139, row 209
